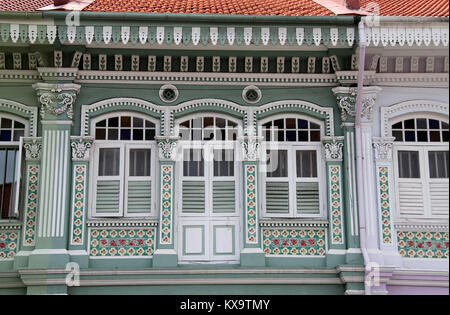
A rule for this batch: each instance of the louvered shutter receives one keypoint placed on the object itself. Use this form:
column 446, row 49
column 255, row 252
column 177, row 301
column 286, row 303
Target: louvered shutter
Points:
column 193, row 196
column 411, row 197
column 277, row 197
column 439, row 198
column 108, row 197
column 224, row 197
column 307, row 195
column 139, row 197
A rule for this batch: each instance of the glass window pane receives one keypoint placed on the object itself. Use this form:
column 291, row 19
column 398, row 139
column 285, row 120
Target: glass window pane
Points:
column 433, row 123
column 398, row 135
column 315, row 136
column 113, row 122
column 421, row 123
column 408, row 164
column 101, row 123
column 422, row 136
column 125, row 134
column 138, row 122
column 5, row 135
column 100, row 134
column 410, row 136
column 223, row 163
column 279, row 123
column 140, row 162
column 290, row 123
column 435, row 136
column 438, row 164
column 302, row 124
column 303, row 136
column 208, row 122
column 409, row 124
column 278, row 163
column 18, row 125
column 138, row 134
column 306, row 162
column 6, row 123
column 18, row 134
column 291, row 135
column 398, row 125
column 150, row 134
column 113, row 134
column 193, row 162
column 109, row 162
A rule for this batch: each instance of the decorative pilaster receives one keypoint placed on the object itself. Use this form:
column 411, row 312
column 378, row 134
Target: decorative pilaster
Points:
column 251, row 254
column 335, row 192
column 165, row 254
column 57, row 102
column 385, row 206
column 32, row 147
column 80, row 147
column 346, row 100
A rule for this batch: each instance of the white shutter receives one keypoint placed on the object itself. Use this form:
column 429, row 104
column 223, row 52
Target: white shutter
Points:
column 411, row 197
column 439, row 198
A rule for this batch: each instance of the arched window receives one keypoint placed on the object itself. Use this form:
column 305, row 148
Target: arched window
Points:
column 124, row 165
column 209, row 188
column 421, row 160
column 292, row 168
column 11, row 130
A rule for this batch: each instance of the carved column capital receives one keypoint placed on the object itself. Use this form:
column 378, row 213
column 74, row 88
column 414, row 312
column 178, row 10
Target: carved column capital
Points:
column 81, row 147
column 346, row 99
column 56, row 100
column 167, row 147
column 333, row 148
column 251, row 147
column 33, row 148
column 383, row 148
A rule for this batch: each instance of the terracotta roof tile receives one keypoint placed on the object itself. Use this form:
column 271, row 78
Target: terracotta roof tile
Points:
column 241, row 7
column 23, row 5
column 411, row 7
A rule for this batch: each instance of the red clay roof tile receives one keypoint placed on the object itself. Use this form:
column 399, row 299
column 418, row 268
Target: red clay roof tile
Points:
column 242, row 7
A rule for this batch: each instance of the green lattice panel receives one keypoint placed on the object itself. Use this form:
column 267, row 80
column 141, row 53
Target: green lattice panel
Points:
column 423, row 244
column 294, row 242
column 122, row 242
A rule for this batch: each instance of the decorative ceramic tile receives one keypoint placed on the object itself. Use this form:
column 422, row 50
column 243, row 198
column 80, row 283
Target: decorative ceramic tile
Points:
column 166, row 204
column 8, row 244
column 336, row 204
column 294, row 242
column 78, row 205
column 423, row 244
column 383, row 177
column 121, row 242
column 31, row 205
column 251, row 206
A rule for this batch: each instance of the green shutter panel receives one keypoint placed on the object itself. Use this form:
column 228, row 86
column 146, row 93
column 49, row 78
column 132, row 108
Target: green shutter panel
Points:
column 193, row 197
column 277, row 197
column 224, row 197
column 308, row 198
column 108, row 196
column 139, row 196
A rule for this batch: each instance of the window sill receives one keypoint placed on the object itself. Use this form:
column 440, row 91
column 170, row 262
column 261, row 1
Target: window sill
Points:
column 422, row 224
column 321, row 223
column 121, row 222
column 10, row 224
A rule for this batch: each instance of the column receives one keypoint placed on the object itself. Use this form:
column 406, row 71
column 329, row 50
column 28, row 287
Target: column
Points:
column 335, row 200
column 252, row 254
column 165, row 254
column 346, row 98
column 78, row 237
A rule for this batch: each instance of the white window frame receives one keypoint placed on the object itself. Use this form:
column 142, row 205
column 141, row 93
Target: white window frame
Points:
column 423, row 148
column 124, row 146
column 19, row 145
column 208, row 146
column 292, row 148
